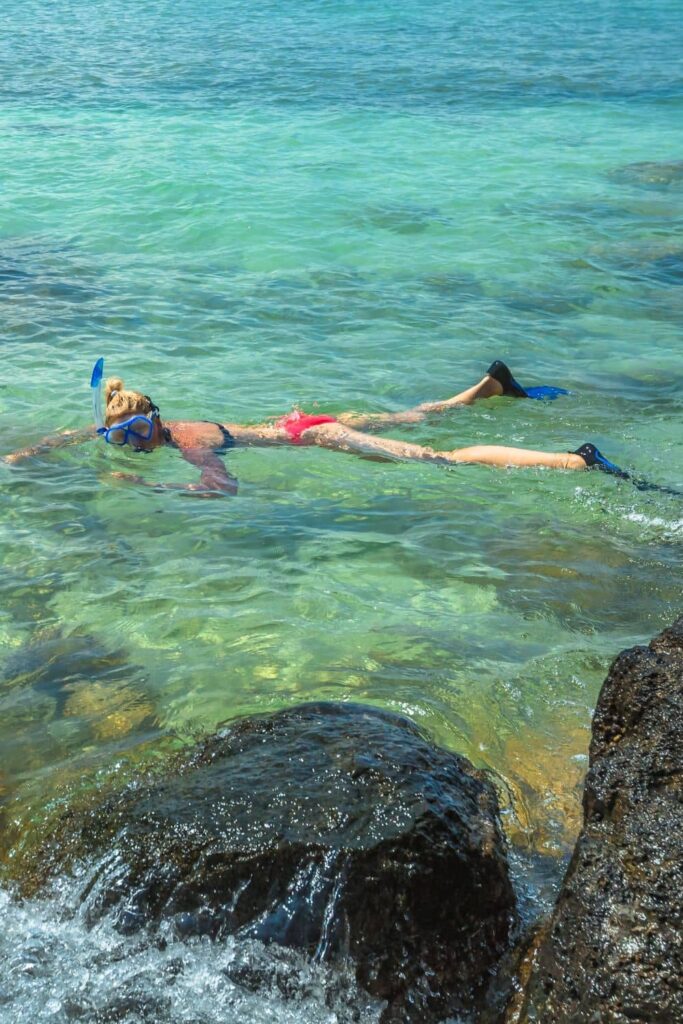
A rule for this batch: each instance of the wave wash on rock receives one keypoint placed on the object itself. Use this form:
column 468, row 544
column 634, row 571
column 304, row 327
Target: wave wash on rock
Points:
column 333, row 828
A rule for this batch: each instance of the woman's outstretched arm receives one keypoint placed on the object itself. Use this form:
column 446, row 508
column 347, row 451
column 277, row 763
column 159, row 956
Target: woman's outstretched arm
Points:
column 46, row 444
column 214, row 475
column 214, row 480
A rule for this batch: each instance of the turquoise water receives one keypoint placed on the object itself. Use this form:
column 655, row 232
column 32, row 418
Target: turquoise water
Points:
column 337, row 205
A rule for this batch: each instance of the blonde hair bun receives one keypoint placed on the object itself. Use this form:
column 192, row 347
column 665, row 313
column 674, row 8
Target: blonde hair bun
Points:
column 124, row 403
column 112, row 385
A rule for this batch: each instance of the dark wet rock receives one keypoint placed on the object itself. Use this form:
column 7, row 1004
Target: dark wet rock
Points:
column 332, row 828
column 613, row 948
column 650, row 173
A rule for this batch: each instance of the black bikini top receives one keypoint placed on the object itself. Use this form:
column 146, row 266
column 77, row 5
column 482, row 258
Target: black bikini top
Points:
column 227, row 443
column 228, row 439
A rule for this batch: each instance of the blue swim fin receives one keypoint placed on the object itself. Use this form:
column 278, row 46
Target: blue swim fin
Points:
column 545, row 392
column 594, row 459
column 513, row 389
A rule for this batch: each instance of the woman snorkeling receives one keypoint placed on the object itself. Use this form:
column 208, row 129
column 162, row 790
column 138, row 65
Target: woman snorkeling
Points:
column 132, row 418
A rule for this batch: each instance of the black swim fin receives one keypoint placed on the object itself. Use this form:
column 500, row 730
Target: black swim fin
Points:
column 511, row 388
column 594, row 459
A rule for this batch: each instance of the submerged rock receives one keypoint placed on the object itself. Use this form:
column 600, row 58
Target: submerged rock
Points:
column 650, row 172
column 613, row 949
column 657, row 263
column 334, row 828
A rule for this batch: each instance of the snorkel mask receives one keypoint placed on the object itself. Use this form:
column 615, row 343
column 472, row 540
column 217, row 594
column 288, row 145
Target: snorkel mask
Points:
column 136, row 428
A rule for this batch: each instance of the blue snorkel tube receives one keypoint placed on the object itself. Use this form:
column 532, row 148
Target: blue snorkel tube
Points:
column 95, row 384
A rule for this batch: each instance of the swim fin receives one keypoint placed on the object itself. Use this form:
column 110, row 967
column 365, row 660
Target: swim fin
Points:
column 546, row 392
column 513, row 389
column 594, row 459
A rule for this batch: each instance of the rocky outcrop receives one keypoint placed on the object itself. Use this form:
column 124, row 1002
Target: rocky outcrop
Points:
column 333, row 828
column 613, row 949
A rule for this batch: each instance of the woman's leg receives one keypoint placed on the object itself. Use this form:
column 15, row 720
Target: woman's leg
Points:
column 343, row 438
column 487, row 387
column 500, row 455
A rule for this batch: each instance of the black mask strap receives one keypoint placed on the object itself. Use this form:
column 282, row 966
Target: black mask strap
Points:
column 154, row 410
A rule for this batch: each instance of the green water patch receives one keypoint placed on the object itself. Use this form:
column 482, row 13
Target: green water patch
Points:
column 361, row 601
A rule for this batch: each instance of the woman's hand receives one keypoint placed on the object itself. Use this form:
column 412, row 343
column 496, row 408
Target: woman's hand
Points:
column 132, row 478
column 199, row 489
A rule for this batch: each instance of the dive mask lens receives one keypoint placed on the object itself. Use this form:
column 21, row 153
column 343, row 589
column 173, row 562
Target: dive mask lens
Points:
column 116, row 435
column 137, row 428
column 141, row 427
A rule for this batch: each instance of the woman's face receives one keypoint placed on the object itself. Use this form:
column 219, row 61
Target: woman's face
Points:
column 138, row 431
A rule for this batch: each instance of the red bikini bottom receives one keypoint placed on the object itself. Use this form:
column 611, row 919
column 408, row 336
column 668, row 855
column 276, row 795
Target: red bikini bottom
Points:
column 296, row 422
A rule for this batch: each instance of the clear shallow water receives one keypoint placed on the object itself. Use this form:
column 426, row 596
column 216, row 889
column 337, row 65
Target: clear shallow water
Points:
column 244, row 210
